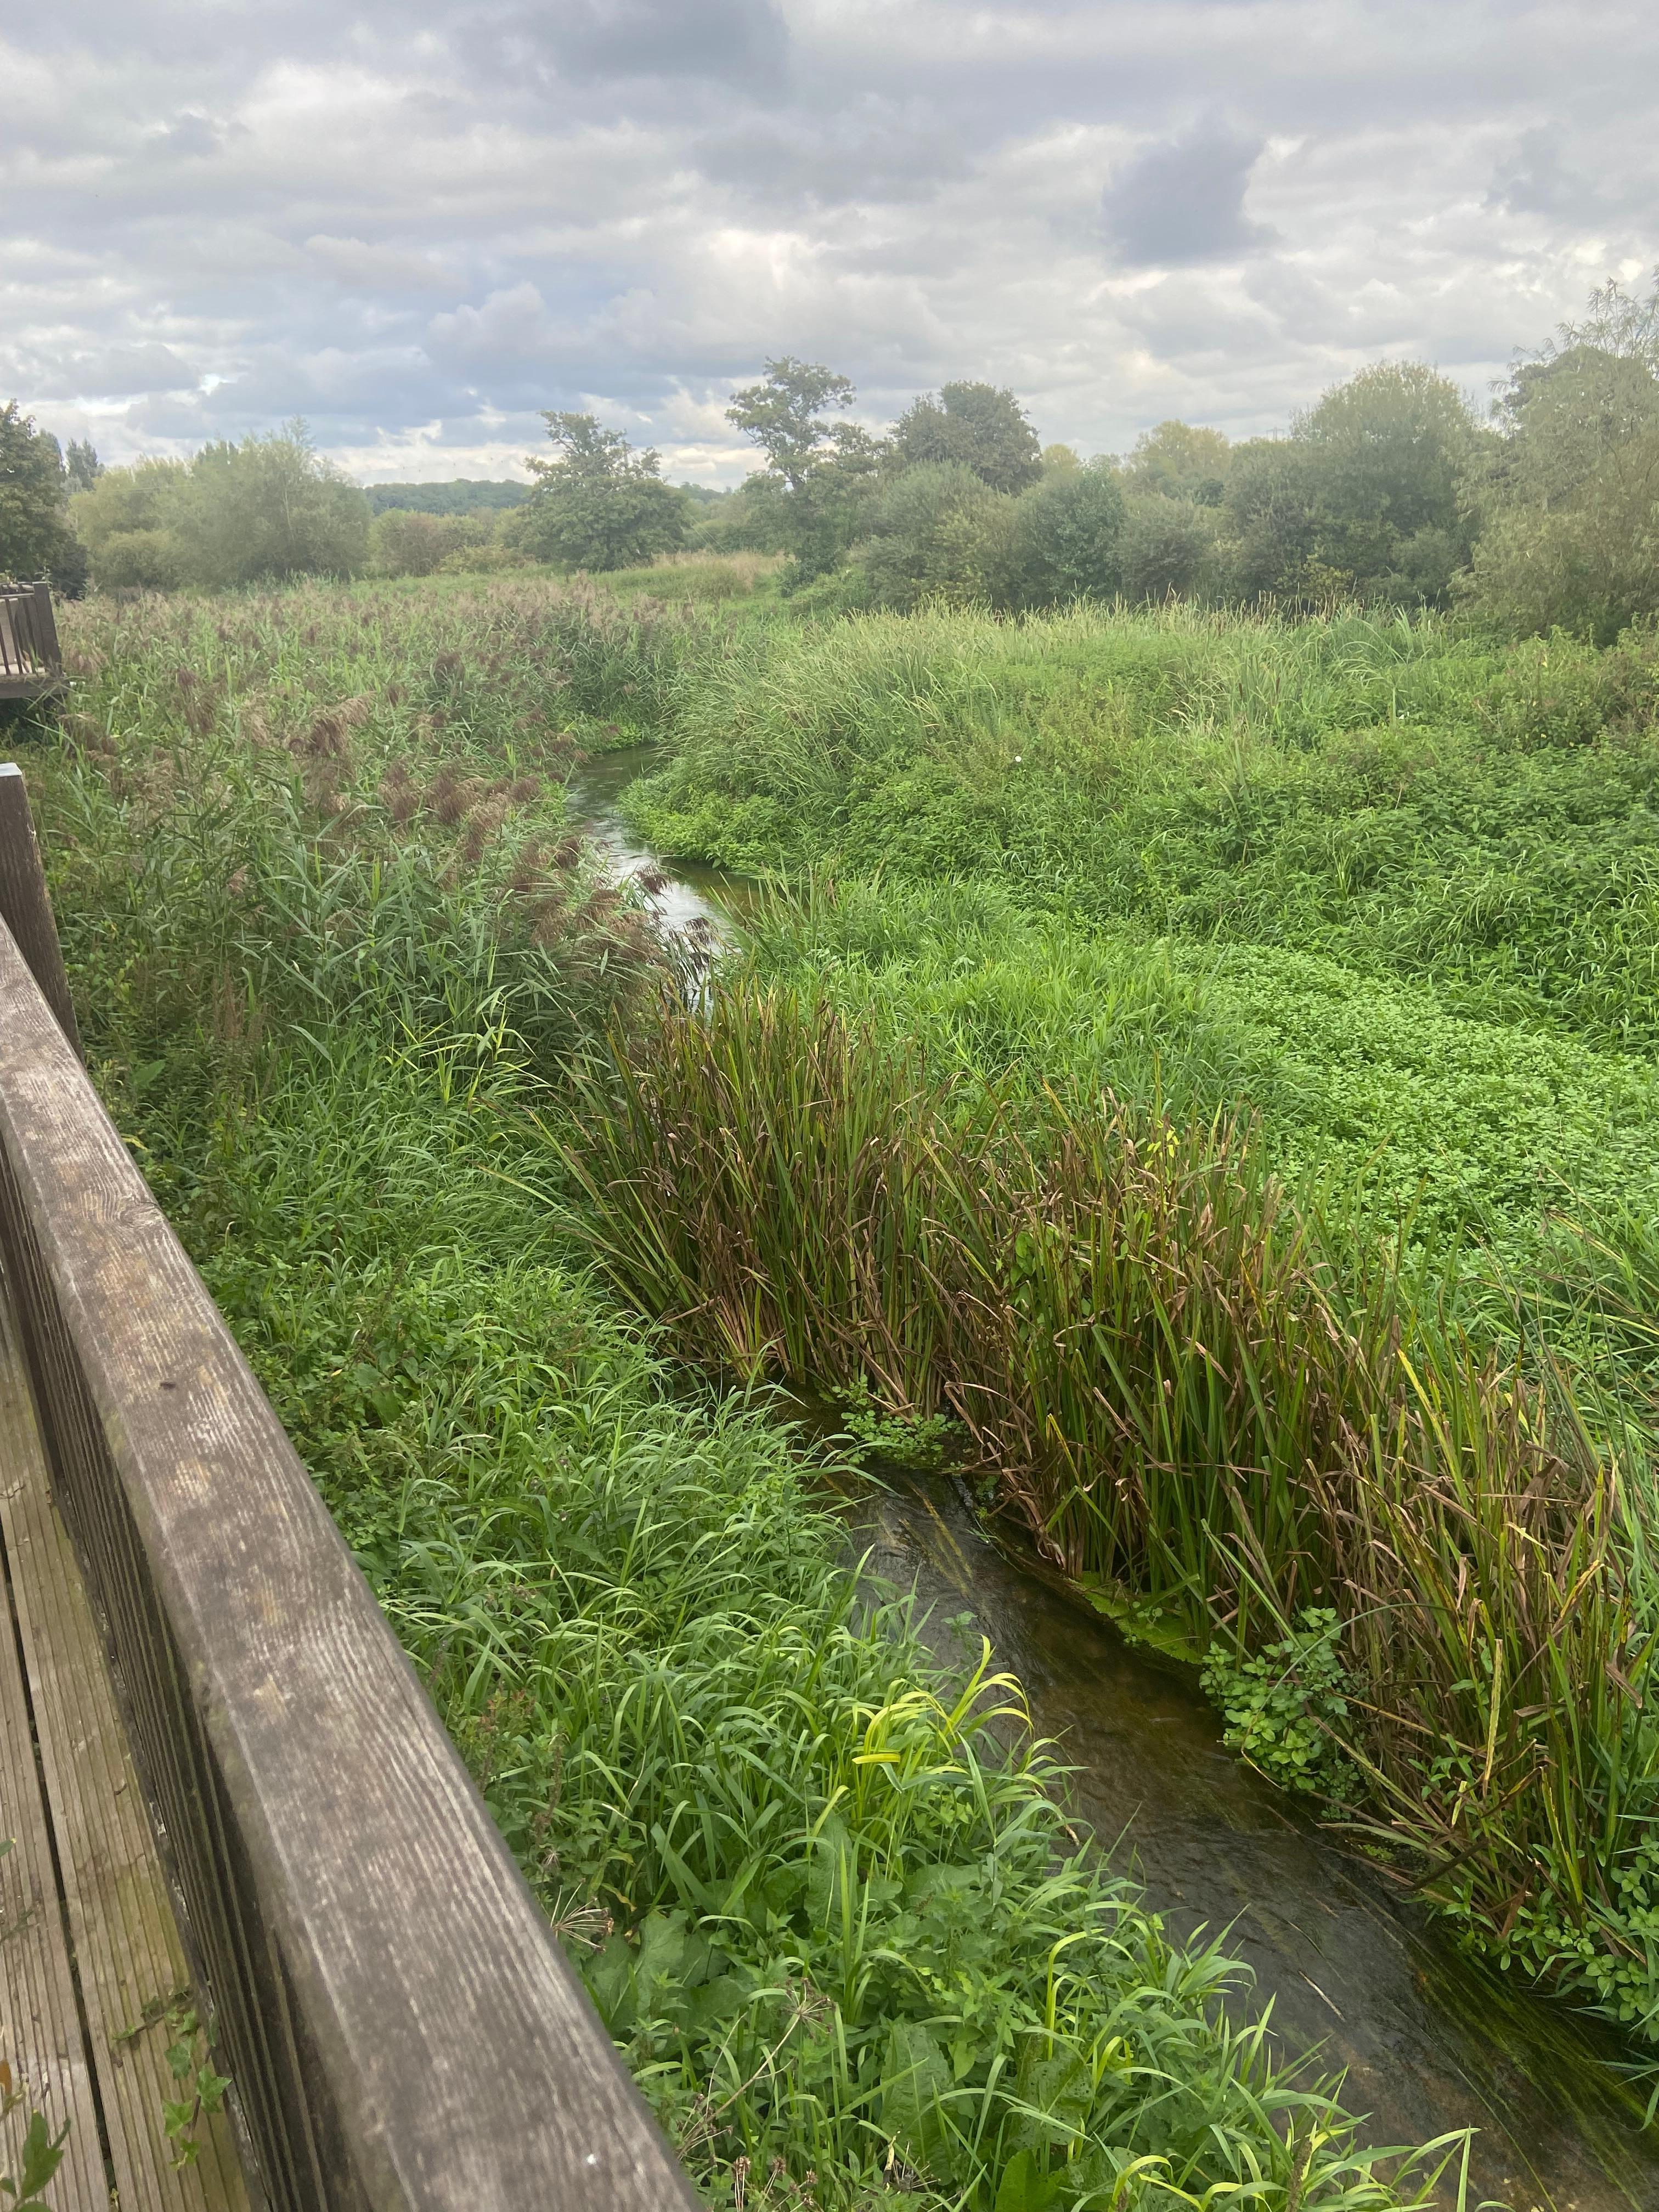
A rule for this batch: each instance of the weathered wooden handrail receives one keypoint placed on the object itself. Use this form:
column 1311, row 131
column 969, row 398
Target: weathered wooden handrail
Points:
column 30, row 659
column 401, row 2025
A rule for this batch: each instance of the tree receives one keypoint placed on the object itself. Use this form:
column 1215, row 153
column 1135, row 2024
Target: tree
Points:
column 782, row 416
column 82, row 463
column 408, row 541
column 938, row 531
column 1180, row 460
column 270, row 508
column 980, row 426
column 1167, row 547
column 600, row 503
column 819, row 475
column 1572, row 495
column 1391, row 455
column 127, row 520
column 1068, row 531
column 1367, row 496
column 1272, row 518
column 35, row 538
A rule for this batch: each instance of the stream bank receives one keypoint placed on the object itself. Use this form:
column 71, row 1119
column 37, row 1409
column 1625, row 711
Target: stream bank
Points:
column 1428, row 2037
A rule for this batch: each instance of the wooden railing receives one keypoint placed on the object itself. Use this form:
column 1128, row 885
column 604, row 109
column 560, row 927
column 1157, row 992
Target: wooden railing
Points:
column 401, row 2026
column 30, row 660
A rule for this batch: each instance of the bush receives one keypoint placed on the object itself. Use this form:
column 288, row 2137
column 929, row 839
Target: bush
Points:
column 405, row 543
column 271, row 507
column 600, row 504
column 938, row 533
column 1167, row 549
column 127, row 520
column 1069, row 537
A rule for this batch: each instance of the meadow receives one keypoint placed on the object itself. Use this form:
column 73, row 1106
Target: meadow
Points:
column 349, row 983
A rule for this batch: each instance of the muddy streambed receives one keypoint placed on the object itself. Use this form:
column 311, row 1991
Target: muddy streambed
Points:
column 1428, row 2037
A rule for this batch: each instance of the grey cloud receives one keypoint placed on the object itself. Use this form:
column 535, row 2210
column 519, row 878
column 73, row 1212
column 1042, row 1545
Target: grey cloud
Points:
column 873, row 149
column 1536, row 180
column 1183, row 201
column 191, row 136
column 738, row 42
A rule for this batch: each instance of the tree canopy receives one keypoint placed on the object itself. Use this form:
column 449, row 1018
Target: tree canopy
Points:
column 267, row 508
column 1571, row 530
column 980, row 426
column 600, row 503
column 35, row 536
column 819, row 474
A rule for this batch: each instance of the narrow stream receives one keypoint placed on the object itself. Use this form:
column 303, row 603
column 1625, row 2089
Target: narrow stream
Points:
column 1428, row 2037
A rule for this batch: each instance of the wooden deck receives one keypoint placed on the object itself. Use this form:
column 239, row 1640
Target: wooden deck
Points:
column 90, row 1959
column 31, row 662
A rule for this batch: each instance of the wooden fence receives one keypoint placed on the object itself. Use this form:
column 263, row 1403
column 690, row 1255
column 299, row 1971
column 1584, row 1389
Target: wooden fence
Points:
column 401, row 2025
column 30, row 661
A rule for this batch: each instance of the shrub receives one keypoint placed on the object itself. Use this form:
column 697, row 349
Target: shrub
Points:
column 1069, row 540
column 938, row 533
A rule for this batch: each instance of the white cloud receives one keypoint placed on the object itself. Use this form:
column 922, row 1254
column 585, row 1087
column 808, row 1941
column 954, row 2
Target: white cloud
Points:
column 420, row 224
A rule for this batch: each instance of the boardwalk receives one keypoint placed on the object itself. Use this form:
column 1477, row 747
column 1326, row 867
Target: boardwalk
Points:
column 90, row 1959
column 224, row 1787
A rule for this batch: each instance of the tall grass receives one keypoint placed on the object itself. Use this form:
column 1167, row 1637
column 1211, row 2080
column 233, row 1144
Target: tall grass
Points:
column 823, row 1892
column 1406, row 798
column 1181, row 1395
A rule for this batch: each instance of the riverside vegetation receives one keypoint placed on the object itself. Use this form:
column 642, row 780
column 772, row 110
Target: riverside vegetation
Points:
column 1234, row 1104
column 341, row 966
column 1263, row 1206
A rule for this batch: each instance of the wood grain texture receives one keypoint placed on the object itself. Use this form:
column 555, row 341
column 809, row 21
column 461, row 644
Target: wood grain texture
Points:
column 120, row 1917
column 41, row 2035
column 25, row 908
column 420, row 2039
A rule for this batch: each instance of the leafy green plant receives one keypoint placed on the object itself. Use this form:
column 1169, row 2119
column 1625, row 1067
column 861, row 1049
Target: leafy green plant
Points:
column 921, row 1442
column 40, row 2154
column 1286, row 1706
column 1183, row 1391
column 784, row 1846
column 202, row 2091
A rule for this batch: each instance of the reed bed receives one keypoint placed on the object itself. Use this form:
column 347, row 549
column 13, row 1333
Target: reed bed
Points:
column 1182, row 1396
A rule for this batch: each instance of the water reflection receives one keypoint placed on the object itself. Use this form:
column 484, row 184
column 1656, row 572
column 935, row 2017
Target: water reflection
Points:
column 689, row 899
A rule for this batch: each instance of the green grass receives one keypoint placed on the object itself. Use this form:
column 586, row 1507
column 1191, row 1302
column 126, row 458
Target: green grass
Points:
column 332, row 950
column 1386, row 891
column 1412, row 802
column 1477, row 1132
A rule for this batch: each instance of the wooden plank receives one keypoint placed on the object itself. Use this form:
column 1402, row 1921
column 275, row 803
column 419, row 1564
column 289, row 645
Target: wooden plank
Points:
column 39, row 2020
column 120, row 1917
column 403, row 2027
column 25, row 907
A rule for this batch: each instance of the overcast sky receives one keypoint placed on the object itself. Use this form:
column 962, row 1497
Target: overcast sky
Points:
column 417, row 223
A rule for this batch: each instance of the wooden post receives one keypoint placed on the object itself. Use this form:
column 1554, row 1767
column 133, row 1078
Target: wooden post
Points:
column 45, row 628
column 24, row 906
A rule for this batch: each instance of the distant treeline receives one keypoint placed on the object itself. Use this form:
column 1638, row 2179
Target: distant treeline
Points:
column 1392, row 489
column 460, row 495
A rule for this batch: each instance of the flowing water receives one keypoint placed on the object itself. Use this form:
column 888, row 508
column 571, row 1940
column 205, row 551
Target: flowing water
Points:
column 1428, row 2038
